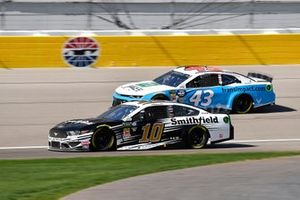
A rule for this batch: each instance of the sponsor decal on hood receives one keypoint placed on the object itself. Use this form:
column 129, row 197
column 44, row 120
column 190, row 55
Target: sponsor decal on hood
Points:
column 74, row 122
column 141, row 88
column 147, row 84
column 80, row 122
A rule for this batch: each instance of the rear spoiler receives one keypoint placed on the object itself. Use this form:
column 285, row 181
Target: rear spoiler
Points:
column 260, row 75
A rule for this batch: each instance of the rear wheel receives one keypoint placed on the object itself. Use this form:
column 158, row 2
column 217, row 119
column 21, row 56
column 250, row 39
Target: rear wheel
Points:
column 103, row 140
column 242, row 104
column 197, row 137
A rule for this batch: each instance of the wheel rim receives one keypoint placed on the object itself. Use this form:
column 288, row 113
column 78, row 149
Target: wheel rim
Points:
column 102, row 140
column 197, row 138
column 243, row 105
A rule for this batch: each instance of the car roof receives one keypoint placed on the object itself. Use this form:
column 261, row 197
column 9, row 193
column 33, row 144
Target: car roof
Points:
column 196, row 69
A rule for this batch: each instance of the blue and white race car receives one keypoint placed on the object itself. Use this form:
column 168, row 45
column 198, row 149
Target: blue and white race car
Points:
column 205, row 87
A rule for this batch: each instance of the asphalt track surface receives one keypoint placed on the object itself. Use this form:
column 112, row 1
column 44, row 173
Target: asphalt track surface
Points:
column 273, row 179
column 34, row 100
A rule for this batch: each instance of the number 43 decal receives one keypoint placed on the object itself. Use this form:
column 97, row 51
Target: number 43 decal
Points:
column 155, row 134
column 202, row 97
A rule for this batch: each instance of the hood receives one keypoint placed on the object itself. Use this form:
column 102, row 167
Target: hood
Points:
column 84, row 124
column 141, row 88
column 76, row 124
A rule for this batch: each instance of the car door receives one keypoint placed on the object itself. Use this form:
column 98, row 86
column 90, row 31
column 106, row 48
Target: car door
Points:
column 149, row 124
column 230, row 88
column 205, row 91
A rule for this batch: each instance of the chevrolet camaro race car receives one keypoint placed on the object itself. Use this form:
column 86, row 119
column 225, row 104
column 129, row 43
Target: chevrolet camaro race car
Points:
column 142, row 125
column 205, row 87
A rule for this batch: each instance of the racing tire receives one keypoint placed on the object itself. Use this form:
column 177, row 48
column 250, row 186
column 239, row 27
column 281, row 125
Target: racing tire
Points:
column 103, row 140
column 160, row 97
column 197, row 137
column 242, row 104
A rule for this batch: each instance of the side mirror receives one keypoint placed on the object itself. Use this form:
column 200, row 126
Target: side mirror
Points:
column 142, row 115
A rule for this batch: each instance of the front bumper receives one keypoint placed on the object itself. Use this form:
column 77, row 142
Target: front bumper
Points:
column 69, row 144
column 119, row 99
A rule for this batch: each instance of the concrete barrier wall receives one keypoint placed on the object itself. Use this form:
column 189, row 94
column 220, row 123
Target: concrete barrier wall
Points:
column 47, row 51
column 31, row 51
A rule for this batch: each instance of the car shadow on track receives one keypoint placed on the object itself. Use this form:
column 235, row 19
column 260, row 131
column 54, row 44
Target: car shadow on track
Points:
column 274, row 109
column 265, row 109
column 229, row 146
column 213, row 146
column 175, row 148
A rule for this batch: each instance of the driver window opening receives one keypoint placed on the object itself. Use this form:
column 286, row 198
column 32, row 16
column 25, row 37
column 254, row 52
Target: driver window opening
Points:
column 206, row 80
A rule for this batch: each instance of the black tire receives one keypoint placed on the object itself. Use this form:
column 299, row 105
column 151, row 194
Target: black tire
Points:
column 160, row 97
column 242, row 104
column 103, row 140
column 197, row 137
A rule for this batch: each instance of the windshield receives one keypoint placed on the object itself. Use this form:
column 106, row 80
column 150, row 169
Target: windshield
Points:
column 118, row 112
column 171, row 78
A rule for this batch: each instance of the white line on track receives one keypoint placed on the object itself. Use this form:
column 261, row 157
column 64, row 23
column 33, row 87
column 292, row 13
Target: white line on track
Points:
column 264, row 141
column 24, row 147
column 231, row 141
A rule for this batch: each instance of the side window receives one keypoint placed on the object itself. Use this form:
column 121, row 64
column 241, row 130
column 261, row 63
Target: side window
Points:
column 184, row 111
column 156, row 112
column 228, row 79
column 205, row 80
column 136, row 117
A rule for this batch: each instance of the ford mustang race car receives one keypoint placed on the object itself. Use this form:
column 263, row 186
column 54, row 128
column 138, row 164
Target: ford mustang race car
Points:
column 142, row 125
column 205, row 87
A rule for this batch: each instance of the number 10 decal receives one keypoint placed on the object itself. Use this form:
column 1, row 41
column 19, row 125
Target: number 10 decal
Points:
column 202, row 100
column 155, row 134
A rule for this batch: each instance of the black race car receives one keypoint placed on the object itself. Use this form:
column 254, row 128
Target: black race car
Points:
column 142, row 125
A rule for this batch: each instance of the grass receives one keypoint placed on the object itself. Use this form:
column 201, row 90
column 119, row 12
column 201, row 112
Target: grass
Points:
column 45, row 179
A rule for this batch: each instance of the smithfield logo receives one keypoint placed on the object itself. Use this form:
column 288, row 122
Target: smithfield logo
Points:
column 195, row 120
column 80, row 51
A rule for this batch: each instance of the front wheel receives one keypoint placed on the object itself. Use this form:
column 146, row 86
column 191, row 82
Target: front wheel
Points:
column 242, row 104
column 197, row 137
column 103, row 140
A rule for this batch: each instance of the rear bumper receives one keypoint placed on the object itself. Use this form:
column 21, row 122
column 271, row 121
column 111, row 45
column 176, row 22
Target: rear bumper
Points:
column 231, row 133
column 231, row 136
